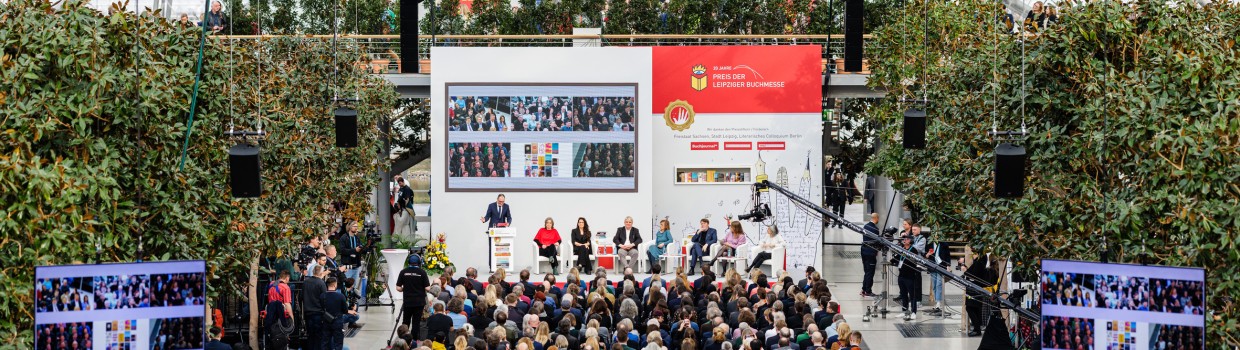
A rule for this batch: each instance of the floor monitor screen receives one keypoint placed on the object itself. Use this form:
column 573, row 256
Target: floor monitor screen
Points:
column 1088, row 305
column 548, row 137
column 156, row 305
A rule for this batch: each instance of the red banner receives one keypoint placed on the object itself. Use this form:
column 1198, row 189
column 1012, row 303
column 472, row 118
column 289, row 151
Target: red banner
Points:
column 739, row 79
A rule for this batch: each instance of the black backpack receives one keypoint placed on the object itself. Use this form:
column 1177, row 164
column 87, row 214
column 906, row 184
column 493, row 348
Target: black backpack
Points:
column 279, row 327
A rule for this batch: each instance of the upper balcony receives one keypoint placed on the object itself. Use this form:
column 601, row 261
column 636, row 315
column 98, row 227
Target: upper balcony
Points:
column 384, row 53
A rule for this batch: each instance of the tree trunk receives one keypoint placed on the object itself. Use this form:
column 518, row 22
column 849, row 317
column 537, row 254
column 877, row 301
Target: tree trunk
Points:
column 253, row 296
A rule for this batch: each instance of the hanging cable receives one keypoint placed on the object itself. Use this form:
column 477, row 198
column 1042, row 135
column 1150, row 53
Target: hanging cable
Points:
column 994, row 109
column 139, row 180
column 925, row 82
column 1106, row 15
column 258, row 56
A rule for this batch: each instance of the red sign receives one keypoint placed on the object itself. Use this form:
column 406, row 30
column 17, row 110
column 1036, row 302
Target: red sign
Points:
column 738, row 146
column 739, row 79
column 704, row 146
column 771, row 145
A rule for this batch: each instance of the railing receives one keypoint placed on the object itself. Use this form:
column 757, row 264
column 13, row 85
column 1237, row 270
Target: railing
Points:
column 384, row 50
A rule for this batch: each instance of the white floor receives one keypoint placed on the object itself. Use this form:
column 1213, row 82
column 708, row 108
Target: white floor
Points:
column 843, row 276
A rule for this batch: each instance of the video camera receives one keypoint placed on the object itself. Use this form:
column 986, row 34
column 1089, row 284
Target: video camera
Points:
column 890, row 233
column 759, row 213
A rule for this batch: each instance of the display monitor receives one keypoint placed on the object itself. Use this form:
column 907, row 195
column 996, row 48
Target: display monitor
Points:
column 155, row 305
column 541, row 137
column 1089, row 305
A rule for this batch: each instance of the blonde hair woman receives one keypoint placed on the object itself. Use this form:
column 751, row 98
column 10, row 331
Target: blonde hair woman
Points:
column 543, row 335
column 845, row 331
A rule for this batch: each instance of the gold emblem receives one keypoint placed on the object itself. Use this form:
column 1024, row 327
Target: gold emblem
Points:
column 678, row 115
column 699, row 77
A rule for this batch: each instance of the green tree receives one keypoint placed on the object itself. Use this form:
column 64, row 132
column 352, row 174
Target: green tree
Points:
column 1134, row 131
column 489, row 17
column 95, row 119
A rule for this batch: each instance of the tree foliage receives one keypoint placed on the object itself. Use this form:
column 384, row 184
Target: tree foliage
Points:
column 1133, row 115
column 94, row 118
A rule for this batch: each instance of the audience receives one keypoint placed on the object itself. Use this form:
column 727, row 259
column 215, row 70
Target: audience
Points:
column 665, row 312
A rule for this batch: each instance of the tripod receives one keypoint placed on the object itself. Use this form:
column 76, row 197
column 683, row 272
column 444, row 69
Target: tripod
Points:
column 883, row 300
column 397, row 324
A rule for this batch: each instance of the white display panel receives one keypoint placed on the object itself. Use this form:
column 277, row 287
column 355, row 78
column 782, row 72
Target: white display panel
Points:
column 1117, row 306
column 541, row 137
column 157, row 305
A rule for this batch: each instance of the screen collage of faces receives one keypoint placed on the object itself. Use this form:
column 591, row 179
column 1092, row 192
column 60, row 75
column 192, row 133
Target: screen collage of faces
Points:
column 1087, row 305
column 155, row 306
column 542, row 137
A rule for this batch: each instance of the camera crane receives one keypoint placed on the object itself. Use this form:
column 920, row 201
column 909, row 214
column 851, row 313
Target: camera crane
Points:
column 922, row 262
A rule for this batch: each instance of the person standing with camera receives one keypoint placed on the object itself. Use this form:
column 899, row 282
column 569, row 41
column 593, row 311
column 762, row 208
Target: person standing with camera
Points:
column 909, row 279
column 403, row 209
column 413, row 282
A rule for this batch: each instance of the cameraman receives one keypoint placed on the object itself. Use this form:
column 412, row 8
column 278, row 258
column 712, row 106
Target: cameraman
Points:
column 869, row 256
column 351, row 247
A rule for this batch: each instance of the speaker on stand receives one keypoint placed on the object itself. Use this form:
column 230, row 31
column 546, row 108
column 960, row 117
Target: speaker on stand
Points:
column 854, row 27
column 244, row 171
column 1009, row 171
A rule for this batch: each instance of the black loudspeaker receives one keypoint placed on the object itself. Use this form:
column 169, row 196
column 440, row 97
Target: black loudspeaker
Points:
column 854, row 27
column 409, row 62
column 346, row 127
column 244, row 174
column 914, row 129
column 1009, row 171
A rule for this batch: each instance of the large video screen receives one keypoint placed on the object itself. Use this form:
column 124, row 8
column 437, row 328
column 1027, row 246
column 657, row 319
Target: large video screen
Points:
column 1088, row 305
column 568, row 137
column 157, row 305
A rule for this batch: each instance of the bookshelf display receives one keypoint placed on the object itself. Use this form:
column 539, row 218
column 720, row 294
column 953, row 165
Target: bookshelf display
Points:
column 714, row 175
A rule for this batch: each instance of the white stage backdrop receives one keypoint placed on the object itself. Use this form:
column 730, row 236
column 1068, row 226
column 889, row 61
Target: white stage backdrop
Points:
column 558, row 194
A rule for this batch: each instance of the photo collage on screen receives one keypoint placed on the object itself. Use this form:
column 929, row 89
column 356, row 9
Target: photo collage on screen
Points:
column 1123, row 293
column 177, row 333
column 101, row 310
column 70, row 336
column 603, row 160
column 570, row 137
column 480, row 159
column 121, row 334
column 1067, row 333
column 1122, row 309
column 542, row 159
column 541, row 113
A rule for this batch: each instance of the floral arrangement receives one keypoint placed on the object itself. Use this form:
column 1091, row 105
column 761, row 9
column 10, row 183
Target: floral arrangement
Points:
column 437, row 255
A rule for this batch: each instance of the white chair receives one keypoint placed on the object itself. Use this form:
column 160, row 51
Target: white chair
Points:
column 737, row 260
column 776, row 262
column 670, row 253
column 539, row 259
column 706, row 256
column 572, row 255
column 644, row 263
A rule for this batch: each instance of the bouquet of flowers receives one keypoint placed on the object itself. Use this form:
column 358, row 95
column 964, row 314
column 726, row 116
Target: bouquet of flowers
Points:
column 437, row 255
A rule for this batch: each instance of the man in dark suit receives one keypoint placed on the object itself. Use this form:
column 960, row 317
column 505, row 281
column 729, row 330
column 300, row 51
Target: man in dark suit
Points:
column 498, row 215
column 627, row 238
column 869, row 256
column 701, row 244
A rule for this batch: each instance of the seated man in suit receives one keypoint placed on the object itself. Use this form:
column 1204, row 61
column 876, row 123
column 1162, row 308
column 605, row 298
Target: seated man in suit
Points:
column 701, row 244
column 627, row 238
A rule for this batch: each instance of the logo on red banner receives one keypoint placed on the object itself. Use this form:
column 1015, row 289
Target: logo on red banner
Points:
column 678, row 115
column 699, row 77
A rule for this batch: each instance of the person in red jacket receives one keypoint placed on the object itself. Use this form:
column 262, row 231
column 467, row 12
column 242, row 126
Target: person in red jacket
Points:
column 548, row 241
